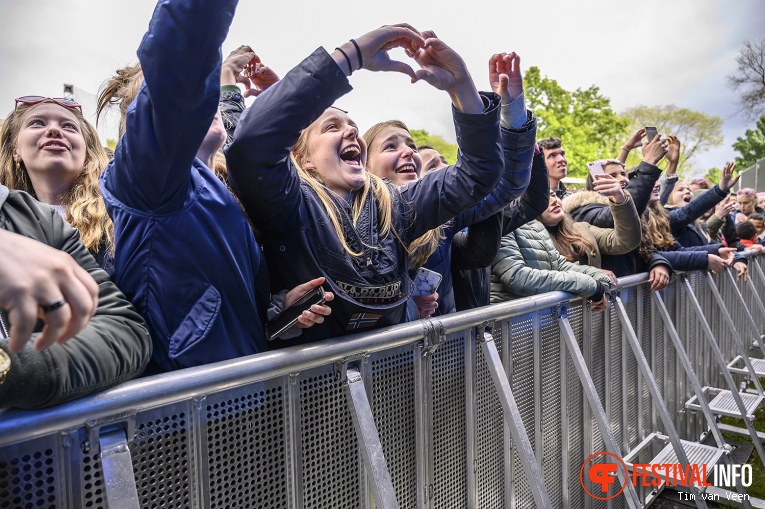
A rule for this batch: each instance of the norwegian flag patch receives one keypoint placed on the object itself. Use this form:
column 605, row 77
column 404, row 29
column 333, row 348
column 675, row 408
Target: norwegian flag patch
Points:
column 362, row 321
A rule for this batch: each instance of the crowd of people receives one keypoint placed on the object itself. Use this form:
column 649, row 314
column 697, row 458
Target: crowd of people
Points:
column 211, row 221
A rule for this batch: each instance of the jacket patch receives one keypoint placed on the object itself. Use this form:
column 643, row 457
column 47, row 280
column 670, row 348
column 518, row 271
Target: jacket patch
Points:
column 362, row 321
column 372, row 294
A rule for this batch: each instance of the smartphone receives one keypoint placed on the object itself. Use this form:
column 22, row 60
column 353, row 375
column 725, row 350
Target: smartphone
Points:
column 651, row 132
column 289, row 317
column 595, row 169
column 426, row 282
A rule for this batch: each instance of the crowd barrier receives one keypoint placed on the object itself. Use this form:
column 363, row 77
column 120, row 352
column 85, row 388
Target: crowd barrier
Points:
column 495, row 407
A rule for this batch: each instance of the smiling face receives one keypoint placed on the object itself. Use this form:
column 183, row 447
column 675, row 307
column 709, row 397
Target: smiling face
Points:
column 335, row 152
column 393, row 155
column 681, row 194
column 432, row 160
column 655, row 193
column 618, row 172
column 554, row 212
column 50, row 143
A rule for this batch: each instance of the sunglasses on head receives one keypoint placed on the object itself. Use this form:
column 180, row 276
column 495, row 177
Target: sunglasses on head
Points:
column 746, row 192
column 31, row 100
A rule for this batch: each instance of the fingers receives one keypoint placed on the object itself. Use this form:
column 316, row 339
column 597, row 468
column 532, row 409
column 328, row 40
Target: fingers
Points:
column 23, row 318
column 300, row 290
column 82, row 301
column 396, row 66
column 57, row 327
column 317, row 312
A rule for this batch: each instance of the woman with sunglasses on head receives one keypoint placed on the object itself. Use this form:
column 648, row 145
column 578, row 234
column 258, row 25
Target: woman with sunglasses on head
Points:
column 50, row 151
column 185, row 253
column 319, row 209
column 471, row 240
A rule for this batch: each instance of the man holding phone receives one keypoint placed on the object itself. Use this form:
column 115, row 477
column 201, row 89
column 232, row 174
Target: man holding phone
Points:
column 557, row 165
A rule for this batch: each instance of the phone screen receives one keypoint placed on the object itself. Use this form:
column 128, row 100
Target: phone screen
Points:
column 651, row 132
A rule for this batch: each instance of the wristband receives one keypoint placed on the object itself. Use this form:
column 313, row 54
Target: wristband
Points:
column 350, row 67
column 358, row 52
column 625, row 149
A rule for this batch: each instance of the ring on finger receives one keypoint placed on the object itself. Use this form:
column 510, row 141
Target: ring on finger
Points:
column 53, row 306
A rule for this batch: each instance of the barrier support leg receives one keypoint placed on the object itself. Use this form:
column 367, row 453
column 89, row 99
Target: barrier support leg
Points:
column 369, row 439
column 117, row 465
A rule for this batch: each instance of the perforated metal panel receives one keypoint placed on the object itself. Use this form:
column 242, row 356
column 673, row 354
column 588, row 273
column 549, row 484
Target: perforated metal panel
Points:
column 162, row 460
column 551, row 405
column 245, row 437
column 648, row 331
column 597, row 367
column 490, row 464
column 574, row 416
column 330, row 457
column 522, row 383
column 678, row 314
column 392, row 383
column 449, row 438
column 615, row 404
column 629, row 297
column 29, row 476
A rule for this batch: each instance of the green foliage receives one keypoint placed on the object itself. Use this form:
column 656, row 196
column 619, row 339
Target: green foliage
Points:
column 446, row 149
column 582, row 119
column 696, row 131
column 751, row 146
column 713, row 175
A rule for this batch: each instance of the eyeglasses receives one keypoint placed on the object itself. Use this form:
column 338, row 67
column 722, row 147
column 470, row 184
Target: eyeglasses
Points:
column 31, row 100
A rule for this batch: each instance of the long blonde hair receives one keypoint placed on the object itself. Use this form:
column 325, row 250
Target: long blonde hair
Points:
column 696, row 222
column 85, row 209
column 120, row 90
column 422, row 247
column 656, row 231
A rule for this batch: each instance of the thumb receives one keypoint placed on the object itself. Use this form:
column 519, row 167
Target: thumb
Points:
column 423, row 74
column 503, row 84
column 396, row 66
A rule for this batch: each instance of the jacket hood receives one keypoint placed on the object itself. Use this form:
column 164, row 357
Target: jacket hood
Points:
column 582, row 198
column 4, row 192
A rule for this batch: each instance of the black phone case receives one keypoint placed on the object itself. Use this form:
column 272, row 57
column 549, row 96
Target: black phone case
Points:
column 288, row 317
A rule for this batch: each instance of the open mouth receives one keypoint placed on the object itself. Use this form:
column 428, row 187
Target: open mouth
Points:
column 686, row 198
column 406, row 168
column 351, row 155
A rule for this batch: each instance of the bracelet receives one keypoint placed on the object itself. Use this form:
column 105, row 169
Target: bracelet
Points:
column 358, row 52
column 625, row 149
column 350, row 67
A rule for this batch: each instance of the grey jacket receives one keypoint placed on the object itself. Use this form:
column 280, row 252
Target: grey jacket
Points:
column 529, row 264
column 114, row 347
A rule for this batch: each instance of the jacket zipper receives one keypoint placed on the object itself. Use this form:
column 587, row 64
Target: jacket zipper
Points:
column 3, row 328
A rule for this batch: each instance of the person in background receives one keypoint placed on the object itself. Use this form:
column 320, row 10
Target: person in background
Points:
column 90, row 337
column 719, row 222
column 431, row 159
column 746, row 200
column 557, row 164
column 758, row 220
column 747, row 231
column 698, row 183
column 50, row 151
column 761, row 201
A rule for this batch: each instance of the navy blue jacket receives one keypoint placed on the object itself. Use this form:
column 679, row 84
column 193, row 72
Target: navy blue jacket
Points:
column 185, row 254
column 681, row 219
column 298, row 238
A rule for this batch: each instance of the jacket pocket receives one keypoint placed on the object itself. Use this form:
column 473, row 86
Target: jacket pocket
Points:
column 196, row 324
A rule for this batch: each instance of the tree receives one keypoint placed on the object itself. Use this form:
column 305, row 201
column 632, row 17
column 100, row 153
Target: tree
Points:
column 749, row 78
column 713, row 176
column 751, row 146
column 582, row 119
column 696, row 131
column 446, row 149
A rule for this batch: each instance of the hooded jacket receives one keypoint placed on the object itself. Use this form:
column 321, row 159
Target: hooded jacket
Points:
column 529, row 264
column 185, row 254
column 299, row 240
column 114, row 347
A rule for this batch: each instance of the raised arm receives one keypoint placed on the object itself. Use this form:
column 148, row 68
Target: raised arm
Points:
column 696, row 208
column 533, row 202
column 168, row 120
column 477, row 247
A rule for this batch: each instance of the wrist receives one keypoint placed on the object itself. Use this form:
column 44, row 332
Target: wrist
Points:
column 626, row 149
column 465, row 97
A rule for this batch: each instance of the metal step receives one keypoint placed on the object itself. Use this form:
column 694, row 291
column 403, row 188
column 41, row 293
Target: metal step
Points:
column 724, row 403
column 757, row 364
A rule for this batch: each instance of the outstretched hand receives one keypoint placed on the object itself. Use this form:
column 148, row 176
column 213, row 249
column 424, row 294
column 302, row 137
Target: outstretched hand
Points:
column 725, row 207
column 608, row 186
column 505, row 76
column 727, row 181
column 374, row 47
column 636, row 140
column 673, row 149
column 231, row 71
column 261, row 77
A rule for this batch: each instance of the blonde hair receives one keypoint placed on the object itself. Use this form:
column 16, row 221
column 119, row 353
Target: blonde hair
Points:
column 655, row 229
column 85, row 209
column 120, row 90
column 422, row 247
column 696, row 222
column 372, row 183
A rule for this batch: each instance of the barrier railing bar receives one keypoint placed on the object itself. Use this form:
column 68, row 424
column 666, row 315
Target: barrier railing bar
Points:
column 599, row 412
column 724, row 368
column 513, row 419
column 369, row 439
column 653, row 388
column 117, row 465
column 748, row 315
column 742, row 350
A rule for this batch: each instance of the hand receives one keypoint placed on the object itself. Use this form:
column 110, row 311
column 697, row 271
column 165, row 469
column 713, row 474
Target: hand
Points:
column 231, row 72
column 374, row 47
column 654, row 150
column 426, row 304
column 505, row 76
column 741, row 271
column 317, row 312
column 715, row 263
column 261, row 76
column 600, row 305
column 673, row 151
column 635, row 140
column 758, row 247
column 740, row 217
column 658, row 277
column 727, row 181
column 726, row 253
column 724, row 208
column 611, row 275
column 33, row 275
column 609, row 186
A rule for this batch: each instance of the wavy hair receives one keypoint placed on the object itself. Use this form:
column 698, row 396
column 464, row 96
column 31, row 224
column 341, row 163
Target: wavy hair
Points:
column 85, row 208
column 422, row 247
column 120, row 90
column 569, row 242
column 655, row 230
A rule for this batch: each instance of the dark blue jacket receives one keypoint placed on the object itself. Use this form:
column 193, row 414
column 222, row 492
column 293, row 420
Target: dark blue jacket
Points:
column 298, row 238
column 185, row 254
column 681, row 219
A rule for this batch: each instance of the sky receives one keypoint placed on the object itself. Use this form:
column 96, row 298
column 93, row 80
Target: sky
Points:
column 649, row 52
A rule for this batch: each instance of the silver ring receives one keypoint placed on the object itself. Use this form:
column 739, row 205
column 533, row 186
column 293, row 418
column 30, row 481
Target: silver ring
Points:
column 54, row 306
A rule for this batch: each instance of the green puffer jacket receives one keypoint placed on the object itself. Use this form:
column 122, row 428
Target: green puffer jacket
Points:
column 528, row 264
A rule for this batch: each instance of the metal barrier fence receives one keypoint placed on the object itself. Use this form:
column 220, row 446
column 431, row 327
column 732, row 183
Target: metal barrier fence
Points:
column 410, row 416
column 753, row 177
